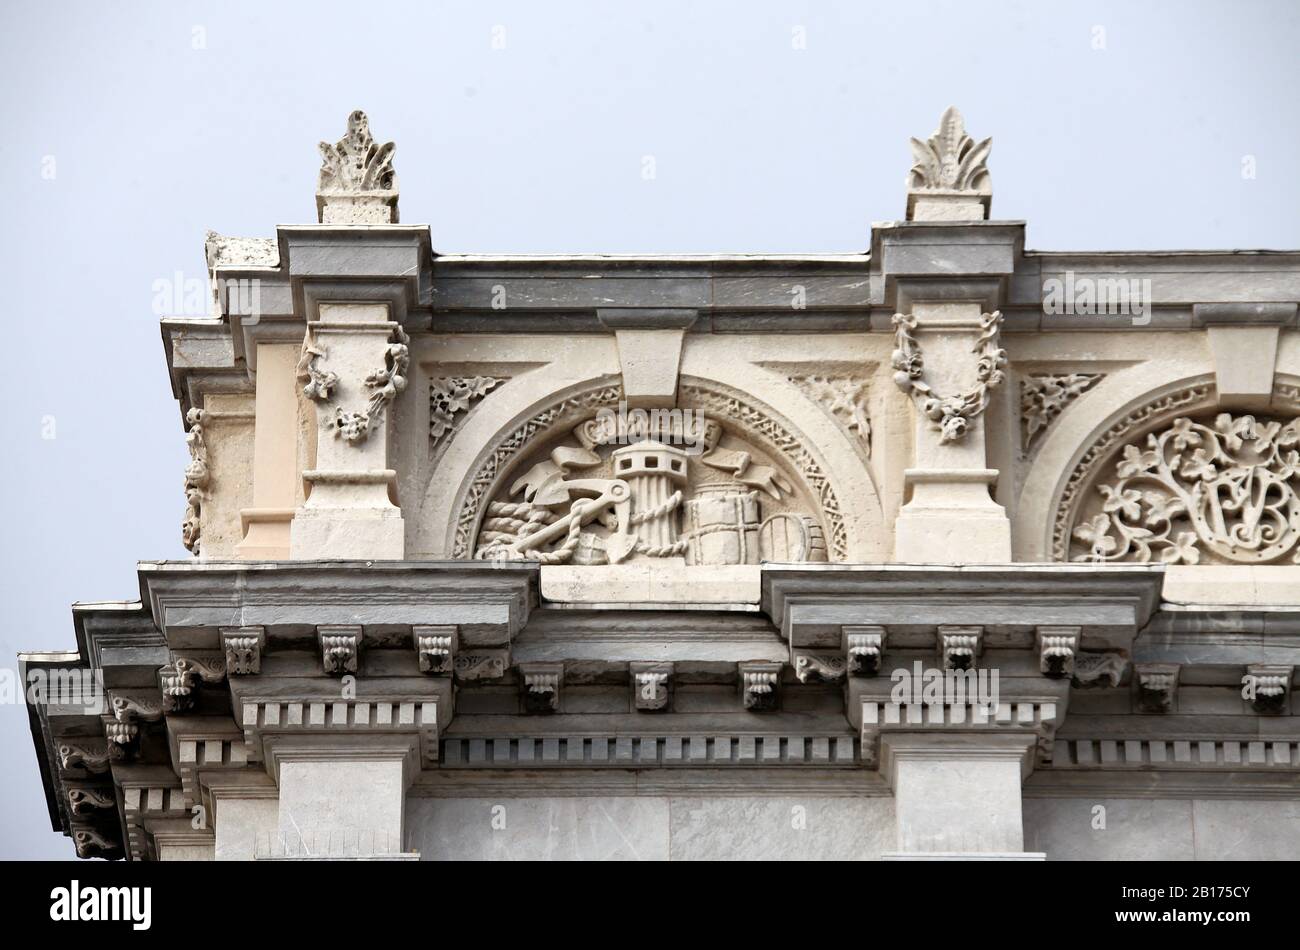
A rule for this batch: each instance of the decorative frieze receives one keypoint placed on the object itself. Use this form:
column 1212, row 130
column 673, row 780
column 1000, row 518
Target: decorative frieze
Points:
column 1157, row 686
column 1056, row 649
column 950, row 415
column 434, row 646
column 340, row 646
column 540, row 684
column 267, row 716
column 1041, row 717
column 725, row 749
column 651, row 683
column 1267, row 687
column 1173, row 752
column 243, row 647
column 760, row 686
column 864, row 647
column 959, row 646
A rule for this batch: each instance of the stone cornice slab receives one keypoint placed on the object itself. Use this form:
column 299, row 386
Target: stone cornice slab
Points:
column 191, row 600
column 812, row 603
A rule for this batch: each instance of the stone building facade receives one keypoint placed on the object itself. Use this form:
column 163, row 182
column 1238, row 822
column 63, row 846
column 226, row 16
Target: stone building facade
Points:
column 950, row 549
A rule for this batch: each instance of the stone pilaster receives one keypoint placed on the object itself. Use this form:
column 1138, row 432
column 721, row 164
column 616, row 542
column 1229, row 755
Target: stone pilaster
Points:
column 354, row 364
column 275, row 457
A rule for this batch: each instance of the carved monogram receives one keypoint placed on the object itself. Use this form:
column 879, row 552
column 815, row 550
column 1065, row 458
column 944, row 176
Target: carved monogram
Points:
column 1222, row 490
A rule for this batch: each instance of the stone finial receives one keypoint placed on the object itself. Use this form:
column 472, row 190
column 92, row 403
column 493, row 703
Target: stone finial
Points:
column 950, row 178
column 357, row 183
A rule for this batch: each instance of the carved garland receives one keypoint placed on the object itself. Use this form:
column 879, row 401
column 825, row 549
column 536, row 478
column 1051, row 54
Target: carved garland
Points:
column 197, row 480
column 951, row 415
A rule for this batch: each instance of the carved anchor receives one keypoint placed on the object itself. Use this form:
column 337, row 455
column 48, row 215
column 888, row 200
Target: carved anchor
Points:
column 609, row 492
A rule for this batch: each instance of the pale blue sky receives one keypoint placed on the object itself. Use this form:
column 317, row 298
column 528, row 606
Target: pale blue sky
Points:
column 534, row 148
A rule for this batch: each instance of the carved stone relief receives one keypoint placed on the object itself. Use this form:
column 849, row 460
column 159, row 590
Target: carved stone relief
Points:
column 951, row 415
column 845, row 399
column 198, row 479
column 1044, row 396
column 728, row 503
column 1220, row 489
column 651, row 484
column 449, row 398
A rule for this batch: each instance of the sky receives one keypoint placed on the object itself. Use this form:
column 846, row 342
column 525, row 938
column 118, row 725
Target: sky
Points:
column 770, row 126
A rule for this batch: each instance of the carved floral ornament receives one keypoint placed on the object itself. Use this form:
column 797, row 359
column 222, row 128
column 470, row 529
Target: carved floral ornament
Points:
column 198, row 479
column 355, row 163
column 665, row 483
column 385, row 383
column 951, row 415
column 950, row 161
column 1219, row 489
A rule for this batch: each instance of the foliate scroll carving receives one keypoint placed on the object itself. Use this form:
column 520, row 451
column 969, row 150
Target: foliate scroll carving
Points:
column 318, row 384
column 1266, row 687
column 1223, row 491
column 845, row 399
column 759, row 685
column 1056, row 649
column 449, row 397
column 93, row 755
column 1096, row 669
column 1155, row 412
column 86, row 799
column 1044, row 396
column 480, row 664
column 340, row 647
column 950, row 161
column 434, row 646
column 91, row 843
column 864, row 648
column 951, row 415
column 820, row 667
column 179, row 680
column 198, row 478
column 628, row 489
column 243, row 647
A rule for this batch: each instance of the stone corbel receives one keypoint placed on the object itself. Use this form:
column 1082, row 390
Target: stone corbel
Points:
column 340, row 646
column 541, row 684
column 179, row 680
column 93, row 755
column 85, row 800
column 960, row 646
column 435, row 647
column 91, row 843
column 651, row 686
column 1056, row 649
column 480, row 665
column 243, row 647
column 760, row 685
column 1157, row 686
column 1267, row 687
column 122, row 726
column 819, row 667
column 1092, row 669
column 864, row 648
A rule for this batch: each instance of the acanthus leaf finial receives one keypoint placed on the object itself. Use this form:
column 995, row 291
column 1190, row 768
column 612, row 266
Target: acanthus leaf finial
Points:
column 949, row 179
column 357, row 183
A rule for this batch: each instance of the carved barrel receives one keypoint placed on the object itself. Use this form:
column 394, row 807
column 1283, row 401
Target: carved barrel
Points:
column 722, row 525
